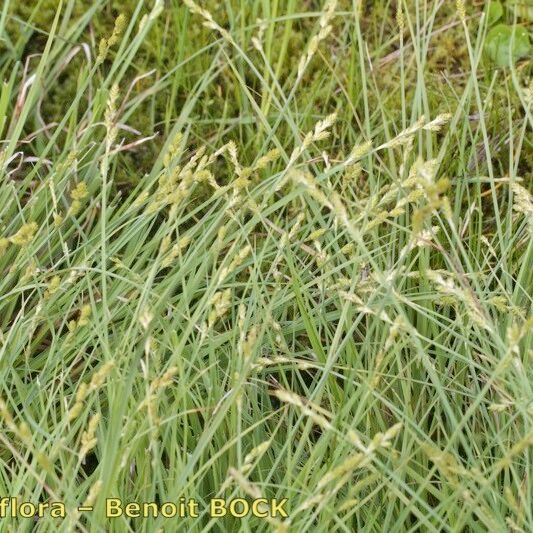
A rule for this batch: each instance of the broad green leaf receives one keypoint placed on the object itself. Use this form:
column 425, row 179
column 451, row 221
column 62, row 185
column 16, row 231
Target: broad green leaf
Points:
column 506, row 44
column 494, row 12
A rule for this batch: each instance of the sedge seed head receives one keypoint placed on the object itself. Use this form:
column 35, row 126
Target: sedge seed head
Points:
column 4, row 243
column 460, row 5
column 24, row 235
column 400, row 19
column 80, row 191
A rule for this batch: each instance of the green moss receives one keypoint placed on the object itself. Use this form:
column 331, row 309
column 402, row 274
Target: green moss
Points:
column 225, row 98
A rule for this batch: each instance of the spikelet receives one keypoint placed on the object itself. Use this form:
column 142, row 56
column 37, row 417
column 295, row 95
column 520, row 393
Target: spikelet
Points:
column 248, row 487
column 349, row 297
column 384, row 440
column 24, row 235
column 460, row 6
column 358, row 460
column 145, row 318
column 319, row 132
column 176, row 250
column 142, row 22
column 52, row 287
column 150, row 402
column 233, row 154
column 84, row 390
column 257, row 40
column 397, row 326
column 348, row 249
column 423, row 174
column 268, row 158
column 501, row 406
column 291, row 235
column 77, row 194
column 106, row 44
column 221, row 234
column 110, row 112
column 307, row 180
column 256, row 452
column 315, row 235
column 447, row 287
column 88, row 437
column 238, row 477
column 404, row 136
column 351, row 173
column 80, row 191
column 523, row 203
column 165, row 380
column 76, row 409
column 235, row 263
column 247, row 345
column 513, row 526
column 378, row 219
column 74, row 208
column 324, row 30
column 58, row 219
column 448, row 465
column 102, row 51
column 342, row 474
column 21, row 431
column 318, row 415
column 528, row 93
column 277, row 360
column 4, row 244
column 120, row 24
column 400, row 18
column 523, row 444
column 85, row 314
column 515, row 333
column 220, row 304
column 437, row 123
column 99, row 377
column 209, row 21
column 68, row 163
column 141, row 199
column 175, row 183
column 359, row 151
column 165, row 244
column 341, row 214
column 93, row 493
column 174, row 150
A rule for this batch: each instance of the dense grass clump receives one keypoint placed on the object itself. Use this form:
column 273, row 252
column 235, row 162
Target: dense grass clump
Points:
column 267, row 249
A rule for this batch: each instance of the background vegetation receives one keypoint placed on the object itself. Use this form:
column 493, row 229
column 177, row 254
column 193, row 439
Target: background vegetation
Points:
column 268, row 248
